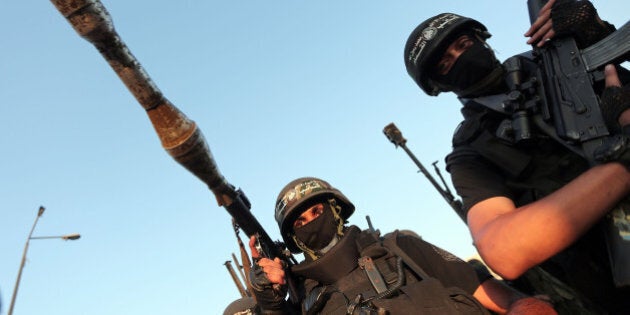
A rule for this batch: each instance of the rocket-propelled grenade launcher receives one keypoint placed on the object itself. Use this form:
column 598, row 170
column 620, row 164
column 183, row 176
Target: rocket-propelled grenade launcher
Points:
column 179, row 135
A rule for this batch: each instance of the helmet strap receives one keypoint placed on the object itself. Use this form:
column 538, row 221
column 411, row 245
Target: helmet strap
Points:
column 304, row 248
column 336, row 210
column 481, row 34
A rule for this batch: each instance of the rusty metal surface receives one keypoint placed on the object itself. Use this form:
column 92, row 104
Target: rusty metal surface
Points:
column 179, row 135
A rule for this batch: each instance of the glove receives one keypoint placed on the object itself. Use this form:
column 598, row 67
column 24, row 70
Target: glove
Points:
column 614, row 101
column 614, row 148
column 580, row 20
column 269, row 297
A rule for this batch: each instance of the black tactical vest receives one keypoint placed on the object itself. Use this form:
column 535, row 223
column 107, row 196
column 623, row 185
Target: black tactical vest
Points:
column 408, row 289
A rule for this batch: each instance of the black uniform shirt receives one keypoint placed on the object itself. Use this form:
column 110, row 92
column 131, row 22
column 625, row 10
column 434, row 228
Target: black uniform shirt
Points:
column 483, row 166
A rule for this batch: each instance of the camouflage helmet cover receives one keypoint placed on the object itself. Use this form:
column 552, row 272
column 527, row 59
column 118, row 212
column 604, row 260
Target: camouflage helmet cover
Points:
column 433, row 36
column 242, row 306
column 303, row 192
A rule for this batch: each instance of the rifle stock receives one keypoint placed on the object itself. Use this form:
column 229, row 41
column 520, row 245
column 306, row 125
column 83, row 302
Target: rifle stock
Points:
column 179, row 135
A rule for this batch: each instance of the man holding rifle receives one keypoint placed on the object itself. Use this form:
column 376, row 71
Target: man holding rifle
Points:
column 530, row 200
column 349, row 271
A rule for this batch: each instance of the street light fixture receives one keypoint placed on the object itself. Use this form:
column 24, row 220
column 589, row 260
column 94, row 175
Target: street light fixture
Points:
column 73, row 236
column 67, row 237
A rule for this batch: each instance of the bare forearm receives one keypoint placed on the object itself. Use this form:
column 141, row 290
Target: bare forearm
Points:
column 512, row 240
column 496, row 296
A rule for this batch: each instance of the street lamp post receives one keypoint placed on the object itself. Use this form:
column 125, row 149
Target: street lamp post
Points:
column 73, row 236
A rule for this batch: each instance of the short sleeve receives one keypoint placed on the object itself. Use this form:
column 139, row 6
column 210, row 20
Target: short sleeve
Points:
column 474, row 178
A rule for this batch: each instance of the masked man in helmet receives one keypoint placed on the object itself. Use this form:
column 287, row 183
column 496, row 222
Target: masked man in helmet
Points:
column 349, row 271
column 531, row 203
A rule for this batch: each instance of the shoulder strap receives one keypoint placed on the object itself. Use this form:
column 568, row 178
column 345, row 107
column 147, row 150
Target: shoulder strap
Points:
column 390, row 242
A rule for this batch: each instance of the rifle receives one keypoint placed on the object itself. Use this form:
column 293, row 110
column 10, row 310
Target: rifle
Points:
column 394, row 135
column 179, row 135
column 560, row 97
column 567, row 76
column 240, row 268
column 376, row 232
column 235, row 278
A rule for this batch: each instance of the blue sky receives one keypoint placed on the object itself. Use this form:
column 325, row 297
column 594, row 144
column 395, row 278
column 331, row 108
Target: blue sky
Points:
column 281, row 89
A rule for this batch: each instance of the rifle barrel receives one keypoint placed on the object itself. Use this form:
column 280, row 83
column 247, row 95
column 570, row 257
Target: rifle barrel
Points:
column 395, row 136
column 239, row 267
column 237, row 282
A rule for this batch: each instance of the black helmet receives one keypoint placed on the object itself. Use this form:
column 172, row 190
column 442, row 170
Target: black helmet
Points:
column 433, row 36
column 298, row 194
column 242, row 306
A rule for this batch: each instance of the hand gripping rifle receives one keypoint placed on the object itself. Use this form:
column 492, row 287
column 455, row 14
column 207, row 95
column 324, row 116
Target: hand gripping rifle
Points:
column 179, row 136
column 560, row 99
column 560, row 96
column 394, row 135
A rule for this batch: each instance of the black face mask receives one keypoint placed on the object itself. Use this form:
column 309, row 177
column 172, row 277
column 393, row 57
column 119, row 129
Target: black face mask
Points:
column 472, row 66
column 319, row 232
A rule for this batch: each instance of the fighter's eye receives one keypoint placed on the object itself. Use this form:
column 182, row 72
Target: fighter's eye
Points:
column 309, row 215
column 317, row 210
column 298, row 223
column 464, row 43
column 443, row 65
